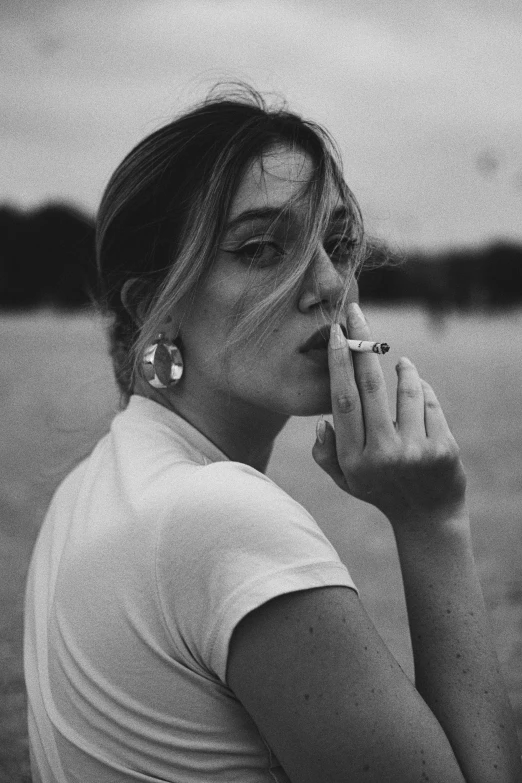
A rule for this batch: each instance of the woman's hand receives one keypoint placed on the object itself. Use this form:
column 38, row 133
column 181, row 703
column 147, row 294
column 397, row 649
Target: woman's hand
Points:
column 410, row 469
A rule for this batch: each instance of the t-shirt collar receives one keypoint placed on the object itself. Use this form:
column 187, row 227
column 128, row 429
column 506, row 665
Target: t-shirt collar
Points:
column 180, row 426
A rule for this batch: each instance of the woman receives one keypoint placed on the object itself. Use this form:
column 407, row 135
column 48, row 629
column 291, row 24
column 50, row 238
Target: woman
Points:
column 186, row 620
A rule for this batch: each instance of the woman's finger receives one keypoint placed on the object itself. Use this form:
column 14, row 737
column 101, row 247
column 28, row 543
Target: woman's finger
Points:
column 370, row 381
column 346, row 403
column 434, row 419
column 410, row 400
column 324, row 453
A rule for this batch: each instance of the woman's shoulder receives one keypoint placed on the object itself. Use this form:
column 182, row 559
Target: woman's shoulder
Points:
column 236, row 476
column 235, row 486
column 165, row 467
column 232, row 502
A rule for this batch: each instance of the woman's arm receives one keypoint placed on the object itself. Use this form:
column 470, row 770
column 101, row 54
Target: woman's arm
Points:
column 456, row 667
column 310, row 667
column 411, row 470
column 330, row 699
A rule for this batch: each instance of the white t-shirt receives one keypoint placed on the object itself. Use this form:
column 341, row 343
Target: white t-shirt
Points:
column 152, row 551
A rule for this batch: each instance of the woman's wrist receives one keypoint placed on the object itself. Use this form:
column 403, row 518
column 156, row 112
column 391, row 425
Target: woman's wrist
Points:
column 442, row 528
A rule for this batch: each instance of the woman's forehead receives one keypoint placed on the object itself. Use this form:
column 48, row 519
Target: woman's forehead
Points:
column 273, row 180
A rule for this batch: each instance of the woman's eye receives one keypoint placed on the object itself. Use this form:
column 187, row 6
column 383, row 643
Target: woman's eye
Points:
column 260, row 253
column 340, row 249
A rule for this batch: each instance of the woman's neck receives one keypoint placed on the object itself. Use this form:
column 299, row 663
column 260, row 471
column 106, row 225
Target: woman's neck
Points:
column 242, row 433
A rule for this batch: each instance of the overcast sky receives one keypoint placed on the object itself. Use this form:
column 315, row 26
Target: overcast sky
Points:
column 423, row 96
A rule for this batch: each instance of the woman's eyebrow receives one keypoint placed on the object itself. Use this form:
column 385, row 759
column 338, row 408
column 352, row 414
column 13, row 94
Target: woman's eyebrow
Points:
column 259, row 213
column 275, row 213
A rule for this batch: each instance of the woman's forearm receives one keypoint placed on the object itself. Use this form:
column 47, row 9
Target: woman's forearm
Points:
column 456, row 666
column 411, row 470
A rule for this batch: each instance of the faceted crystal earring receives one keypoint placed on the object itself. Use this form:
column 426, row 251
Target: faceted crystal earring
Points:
column 162, row 363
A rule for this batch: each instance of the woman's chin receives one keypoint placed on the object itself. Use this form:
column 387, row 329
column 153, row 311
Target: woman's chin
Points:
column 317, row 410
column 311, row 404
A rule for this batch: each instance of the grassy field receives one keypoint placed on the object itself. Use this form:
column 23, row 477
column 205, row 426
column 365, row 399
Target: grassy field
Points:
column 57, row 397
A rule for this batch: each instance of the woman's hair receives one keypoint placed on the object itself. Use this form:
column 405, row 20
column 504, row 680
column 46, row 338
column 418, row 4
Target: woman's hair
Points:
column 163, row 214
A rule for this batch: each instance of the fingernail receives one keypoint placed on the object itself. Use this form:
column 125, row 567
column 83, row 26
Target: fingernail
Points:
column 406, row 361
column 355, row 314
column 320, row 430
column 337, row 338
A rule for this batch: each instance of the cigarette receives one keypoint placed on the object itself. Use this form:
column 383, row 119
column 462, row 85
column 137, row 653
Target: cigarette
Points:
column 365, row 346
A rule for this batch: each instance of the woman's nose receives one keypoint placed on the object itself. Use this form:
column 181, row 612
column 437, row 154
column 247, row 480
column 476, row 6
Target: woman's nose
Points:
column 323, row 284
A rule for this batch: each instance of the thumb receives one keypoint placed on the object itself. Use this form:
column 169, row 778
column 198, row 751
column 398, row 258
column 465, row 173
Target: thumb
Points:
column 324, row 452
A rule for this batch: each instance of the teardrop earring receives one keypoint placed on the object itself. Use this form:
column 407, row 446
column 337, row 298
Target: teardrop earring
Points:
column 162, row 363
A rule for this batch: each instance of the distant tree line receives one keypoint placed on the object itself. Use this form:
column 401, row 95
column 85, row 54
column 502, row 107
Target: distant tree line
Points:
column 47, row 258
column 488, row 277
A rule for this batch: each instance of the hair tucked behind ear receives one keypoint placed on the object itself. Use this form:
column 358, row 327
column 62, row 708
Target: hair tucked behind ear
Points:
column 163, row 214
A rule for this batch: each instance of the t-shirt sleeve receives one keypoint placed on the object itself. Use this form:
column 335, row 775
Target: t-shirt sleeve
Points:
column 233, row 541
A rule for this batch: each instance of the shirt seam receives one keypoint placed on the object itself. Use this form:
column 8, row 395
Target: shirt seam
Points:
column 246, row 589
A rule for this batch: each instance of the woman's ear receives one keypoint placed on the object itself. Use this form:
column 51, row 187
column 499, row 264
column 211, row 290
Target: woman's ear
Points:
column 133, row 299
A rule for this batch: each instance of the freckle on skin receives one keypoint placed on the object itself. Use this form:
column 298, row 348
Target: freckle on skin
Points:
column 311, row 630
column 307, row 696
column 366, row 768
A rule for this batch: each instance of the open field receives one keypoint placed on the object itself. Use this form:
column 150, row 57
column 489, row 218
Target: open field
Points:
column 57, row 397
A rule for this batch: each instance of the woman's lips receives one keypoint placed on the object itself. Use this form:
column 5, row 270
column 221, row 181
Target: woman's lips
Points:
column 318, row 356
column 319, row 340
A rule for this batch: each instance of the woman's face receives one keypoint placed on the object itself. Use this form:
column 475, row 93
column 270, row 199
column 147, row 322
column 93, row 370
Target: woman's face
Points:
column 276, row 376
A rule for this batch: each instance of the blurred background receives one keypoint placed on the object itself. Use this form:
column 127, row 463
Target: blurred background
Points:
column 425, row 103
